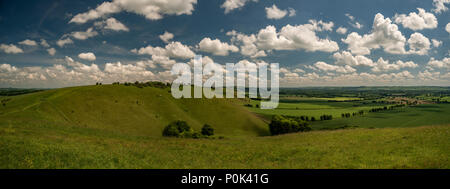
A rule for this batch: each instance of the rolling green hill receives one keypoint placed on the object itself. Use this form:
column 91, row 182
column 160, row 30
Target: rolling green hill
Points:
column 117, row 126
column 127, row 110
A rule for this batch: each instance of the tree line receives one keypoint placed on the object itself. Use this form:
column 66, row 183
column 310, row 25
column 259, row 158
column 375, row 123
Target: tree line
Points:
column 156, row 84
column 386, row 108
column 285, row 124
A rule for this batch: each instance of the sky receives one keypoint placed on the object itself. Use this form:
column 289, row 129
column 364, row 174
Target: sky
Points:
column 60, row 43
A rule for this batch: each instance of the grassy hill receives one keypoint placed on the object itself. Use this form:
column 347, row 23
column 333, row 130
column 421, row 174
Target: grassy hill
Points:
column 127, row 110
column 116, row 126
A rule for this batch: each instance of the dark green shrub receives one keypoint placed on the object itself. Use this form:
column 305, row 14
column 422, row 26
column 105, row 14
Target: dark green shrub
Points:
column 187, row 134
column 171, row 131
column 196, row 135
column 326, row 117
column 207, row 130
column 177, row 129
column 283, row 125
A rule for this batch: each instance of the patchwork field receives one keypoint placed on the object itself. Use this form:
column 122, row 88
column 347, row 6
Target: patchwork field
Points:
column 315, row 107
column 426, row 114
column 414, row 115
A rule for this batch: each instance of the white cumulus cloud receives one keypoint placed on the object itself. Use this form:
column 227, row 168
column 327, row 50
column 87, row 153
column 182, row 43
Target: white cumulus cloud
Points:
column 247, row 44
column 28, row 42
column 10, row 49
column 418, row 44
column 387, row 36
column 230, row 5
column 65, row 41
column 172, row 50
column 447, row 27
column 352, row 22
column 346, row 58
column 44, row 43
column 384, row 65
column 275, row 13
column 440, row 6
column 341, row 30
column 87, row 56
column 296, row 37
column 166, row 37
column 216, row 47
column 151, row 9
column 440, row 64
column 417, row 21
column 436, row 43
column 51, row 51
column 83, row 35
column 328, row 67
column 112, row 24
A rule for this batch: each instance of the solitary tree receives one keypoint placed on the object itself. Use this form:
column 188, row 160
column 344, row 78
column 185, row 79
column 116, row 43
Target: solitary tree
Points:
column 207, row 130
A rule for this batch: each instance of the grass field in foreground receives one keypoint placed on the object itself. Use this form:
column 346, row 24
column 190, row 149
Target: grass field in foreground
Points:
column 417, row 147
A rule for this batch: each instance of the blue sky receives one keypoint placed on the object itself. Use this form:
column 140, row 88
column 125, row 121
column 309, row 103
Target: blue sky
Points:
column 307, row 50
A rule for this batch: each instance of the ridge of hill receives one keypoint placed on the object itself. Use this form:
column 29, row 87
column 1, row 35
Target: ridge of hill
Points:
column 128, row 110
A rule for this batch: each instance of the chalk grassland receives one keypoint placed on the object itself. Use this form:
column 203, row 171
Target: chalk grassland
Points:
column 70, row 147
column 116, row 126
column 127, row 109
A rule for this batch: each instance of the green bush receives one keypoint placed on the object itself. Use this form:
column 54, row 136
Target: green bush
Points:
column 196, row 135
column 207, row 130
column 182, row 130
column 177, row 129
column 283, row 125
column 171, row 131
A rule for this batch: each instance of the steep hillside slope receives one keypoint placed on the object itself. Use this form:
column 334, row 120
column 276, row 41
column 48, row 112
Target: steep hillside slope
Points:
column 127, row 110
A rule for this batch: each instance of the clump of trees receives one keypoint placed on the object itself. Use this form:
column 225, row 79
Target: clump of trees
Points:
column 156, row 84
column 207, row 130
column 347, row 115
column 387, row 108
column 181, row 129
column 282, row 125
column 361, row 112
column 302, row 117
column 177, row 129
column 326, row 117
